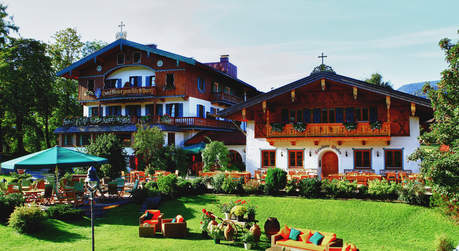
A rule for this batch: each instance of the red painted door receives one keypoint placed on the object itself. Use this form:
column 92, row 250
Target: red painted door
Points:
column 329, row 164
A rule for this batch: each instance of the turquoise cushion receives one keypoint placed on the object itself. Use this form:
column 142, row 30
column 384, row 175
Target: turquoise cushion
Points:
column 316, row 238
column 294, row 233
column 173, row 221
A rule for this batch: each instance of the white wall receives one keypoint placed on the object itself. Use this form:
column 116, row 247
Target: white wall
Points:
column 240, row 149
column 126, row 72
column 409, row 144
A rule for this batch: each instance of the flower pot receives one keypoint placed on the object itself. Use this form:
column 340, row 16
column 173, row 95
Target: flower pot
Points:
column 247, row 246
column 251, row 217
column 227, row 216
column 217, row 241
column 272, row 226
column 240, row 218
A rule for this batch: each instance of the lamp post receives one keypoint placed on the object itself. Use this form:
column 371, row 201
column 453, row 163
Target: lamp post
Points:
column 92, row 180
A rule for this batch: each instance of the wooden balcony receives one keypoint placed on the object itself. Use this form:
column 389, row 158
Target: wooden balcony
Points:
column 194, row 122
column 221, row 97
column 331, row 130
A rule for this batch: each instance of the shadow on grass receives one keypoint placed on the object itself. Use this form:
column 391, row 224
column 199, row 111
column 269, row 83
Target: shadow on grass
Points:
column 53, row 231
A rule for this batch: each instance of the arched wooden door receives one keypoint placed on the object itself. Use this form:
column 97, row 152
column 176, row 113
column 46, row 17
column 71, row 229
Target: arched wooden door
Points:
column 329, row 164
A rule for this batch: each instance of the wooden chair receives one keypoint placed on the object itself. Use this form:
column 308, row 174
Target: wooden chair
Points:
column 362, row 180
column 176, row 229
column 391, row 176
column 403, row 177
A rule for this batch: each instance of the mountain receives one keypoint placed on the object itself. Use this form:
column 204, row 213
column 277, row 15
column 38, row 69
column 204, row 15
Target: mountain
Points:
column 416, row 88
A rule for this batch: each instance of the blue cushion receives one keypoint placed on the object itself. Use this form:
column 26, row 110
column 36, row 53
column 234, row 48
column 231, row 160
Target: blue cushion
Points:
column 294, row 233
column 148, row 216
column 173, row 220
column 316, row 238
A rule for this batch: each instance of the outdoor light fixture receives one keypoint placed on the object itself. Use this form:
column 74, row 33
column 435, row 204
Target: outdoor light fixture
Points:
column 345, row 153
column 377, row 153
column 310, row 154
column 92, row 180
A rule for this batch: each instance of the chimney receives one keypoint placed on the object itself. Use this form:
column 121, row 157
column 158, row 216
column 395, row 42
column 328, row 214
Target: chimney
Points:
column 224, row 66
column 224, row 58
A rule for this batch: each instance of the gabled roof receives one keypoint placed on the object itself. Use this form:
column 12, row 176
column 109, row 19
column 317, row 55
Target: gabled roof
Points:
column 330, row 76
column 149, row 49
column 228, row 138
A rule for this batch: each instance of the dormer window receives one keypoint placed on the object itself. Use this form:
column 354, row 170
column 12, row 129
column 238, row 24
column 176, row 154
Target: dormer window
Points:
column 137, row 57
column 91, row 85
column 120, row 59
column 169, row 82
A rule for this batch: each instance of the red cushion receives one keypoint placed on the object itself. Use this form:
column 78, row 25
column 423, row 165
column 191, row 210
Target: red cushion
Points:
column 299, row 236
column 156, row 213
column 151, row 222
column 285, row 232
column 309, row 237
column 179, row 218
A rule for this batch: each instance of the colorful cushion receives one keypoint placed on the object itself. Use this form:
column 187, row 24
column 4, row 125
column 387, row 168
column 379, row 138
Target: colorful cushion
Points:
column 173, row 220
column 156, row 213
column 148, row 216
column 285, row 232
column 294, row 233
column 306, row 239
column 316, row 238
column 302, row 236
column 179, row 218
column 328, row 238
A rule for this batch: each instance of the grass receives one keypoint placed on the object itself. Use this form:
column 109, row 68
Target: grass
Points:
column 370, row 225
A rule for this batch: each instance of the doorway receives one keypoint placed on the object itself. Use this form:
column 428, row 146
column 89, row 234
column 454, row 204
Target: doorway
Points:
column 329, row 164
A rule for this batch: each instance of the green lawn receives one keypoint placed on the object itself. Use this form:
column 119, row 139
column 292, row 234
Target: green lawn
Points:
column 370, row 225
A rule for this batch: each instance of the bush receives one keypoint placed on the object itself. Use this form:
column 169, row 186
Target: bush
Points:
column 167, row 185
column 64, row 212
column 443, row 243
column 252, row 187
column 26, row 219
column 198, row 185
column 8, row 203
column 184, row 186
column 151, row 189
column 217, row 182
column 275, row 181
column 383, row 190
column 139, row 195
column 291, row 187
column 232, row 186
column 414, row 193
column 215, row 154
column 340, row 188
column 310, row 188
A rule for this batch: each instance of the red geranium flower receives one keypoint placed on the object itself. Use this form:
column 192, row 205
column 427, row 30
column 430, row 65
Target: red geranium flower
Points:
column 204, row 210
column 243, row 202
column 237, row 201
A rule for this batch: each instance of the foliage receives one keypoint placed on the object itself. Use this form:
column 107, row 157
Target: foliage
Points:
column 376, row 79
column 252, row 187
column 198, row 186
column 441, row 167
column 340, row 188
column 291, row 187
column 152, row 189
column 414, row 193
column 236, row 166
column 247, row 237
column 350, row 125
column 90, row 47
column 64, row 212
column 27, row 219
column 177, row 159
column 8, row 203
column 167, row 185
column 206, row 218
column 232, row 186
column 251, row 209
column 299, row 126
column 6, row 26
column 322, row 68
column 226, row 207
column 276, row 179
column 108, row 120
column 148, row 146
column 383, row 189
column 277, row 127
column 217, row 182
column 109, row 146
column 239, row 210
column 310, row 188
column 139, row 195
column 377, row 124
column 443, row 243
column 215, row 231
column 215, row 154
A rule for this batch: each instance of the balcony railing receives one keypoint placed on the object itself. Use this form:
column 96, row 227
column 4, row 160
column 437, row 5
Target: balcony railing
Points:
column 182, row 122
column 221, row 96
column 363, row 129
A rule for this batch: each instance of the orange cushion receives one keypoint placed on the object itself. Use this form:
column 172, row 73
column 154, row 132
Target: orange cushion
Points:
column 285, row 232
column 304, row 236
column 353, row 247
column 328, row 238
column 299, row 236
column 309, row 237
column 179, row 218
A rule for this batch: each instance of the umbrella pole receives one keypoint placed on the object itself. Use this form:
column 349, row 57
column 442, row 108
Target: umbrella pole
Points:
column 56, row 172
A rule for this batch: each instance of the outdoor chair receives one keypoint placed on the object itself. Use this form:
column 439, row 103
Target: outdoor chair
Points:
column 112, row 188
column 120, row 186
column 150, row 223
column 135, row 187
column 174, row 228
column 391, row 176
column 48, row 195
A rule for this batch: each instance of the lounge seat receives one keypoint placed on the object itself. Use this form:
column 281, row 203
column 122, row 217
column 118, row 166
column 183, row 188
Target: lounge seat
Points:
column 175, row 228
column 149, row 226
column 328, row 243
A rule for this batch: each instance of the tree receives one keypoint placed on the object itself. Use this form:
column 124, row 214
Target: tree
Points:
column 177, row 159
column 24, row 68
column 148, row 146
column 376, row 79
column 216, row 154
column 90, row 47
column 110, row 147
column 440, row 165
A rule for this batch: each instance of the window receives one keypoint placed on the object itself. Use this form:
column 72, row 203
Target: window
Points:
column 93, row 111
column 362, row 114
column 68, row 139
column 159, row 109
column 200, row 111
column 331, row 116
column 235, row 157
column 169, row 82
column 136, row 81
column 174, row 110
column 111, row 83
column 227, row 90
column 150, row 81
column 295, row 158
column 268, row 158
column 149, row 110
column 91, row 85
column 201, row 85
column 170, row 138
column 215, row 87
column 120, row 59
column 295, row 116
column 306, row 115
column 362, row 158
column 137, row 57
column 393, row 159
column 113, row 111
column 85, row 139
column 133, row 110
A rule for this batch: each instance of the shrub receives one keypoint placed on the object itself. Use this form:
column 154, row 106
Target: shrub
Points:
column 167, row 185
column 151, row 189
column 291, row 187
column 198, row 185
column 139, row 195
column 310, row 188
column 340, row 188
column 239, row 210
column 109, row 146
column 443, row 243
column 382, row 189
column 216, row 154
column 184, row 186
column 8, row 203
column 414, row 193
column 64, row 212
column 26, row 219
column 275, row 181
column 217, row 182
column 232, row 186
column 252, row 187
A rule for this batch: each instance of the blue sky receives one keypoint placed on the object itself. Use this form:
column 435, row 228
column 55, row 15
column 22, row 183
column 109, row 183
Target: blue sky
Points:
column 271, row 42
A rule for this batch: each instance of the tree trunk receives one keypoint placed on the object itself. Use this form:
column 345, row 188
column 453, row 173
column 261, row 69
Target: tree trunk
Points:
column 46, row 122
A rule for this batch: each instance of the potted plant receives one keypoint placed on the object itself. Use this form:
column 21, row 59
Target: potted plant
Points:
column 350, row 126
column 206, row 218
column 299, row 126
column 215, row 232
column 225, row 208
column 247, row 238
column 375, row 124
column 251, row 211
column 277, row 127
column 239, row 211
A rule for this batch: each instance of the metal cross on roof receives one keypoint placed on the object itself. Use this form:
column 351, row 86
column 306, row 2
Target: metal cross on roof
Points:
column 121, row 26
column 322, row 57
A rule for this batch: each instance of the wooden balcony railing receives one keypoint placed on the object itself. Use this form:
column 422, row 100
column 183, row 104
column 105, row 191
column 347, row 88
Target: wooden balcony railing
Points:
column 129, row 91
column 331, row 130
column 221, row 96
